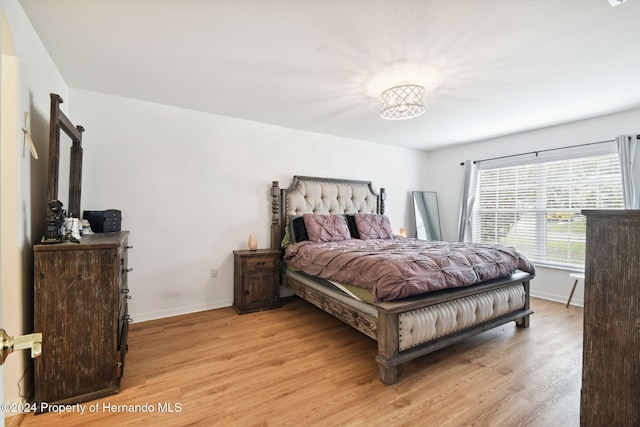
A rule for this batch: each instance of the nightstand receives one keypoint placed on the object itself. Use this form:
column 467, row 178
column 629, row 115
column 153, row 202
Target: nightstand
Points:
column 256, row 280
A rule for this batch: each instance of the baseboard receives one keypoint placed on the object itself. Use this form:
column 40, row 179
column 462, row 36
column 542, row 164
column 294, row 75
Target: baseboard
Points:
column 557, row 298
column 178, row 311
column 13, row 420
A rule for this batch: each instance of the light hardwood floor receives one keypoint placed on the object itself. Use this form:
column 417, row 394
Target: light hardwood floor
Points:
column 297, row 366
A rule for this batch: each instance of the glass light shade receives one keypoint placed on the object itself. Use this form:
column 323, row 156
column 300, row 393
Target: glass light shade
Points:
column 402, row 102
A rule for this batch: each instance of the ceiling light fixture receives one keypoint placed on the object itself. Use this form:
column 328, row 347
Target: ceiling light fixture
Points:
column 403, row 101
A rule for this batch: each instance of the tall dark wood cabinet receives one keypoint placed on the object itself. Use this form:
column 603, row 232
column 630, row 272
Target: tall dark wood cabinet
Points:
column 80, row 306
column 611, row 348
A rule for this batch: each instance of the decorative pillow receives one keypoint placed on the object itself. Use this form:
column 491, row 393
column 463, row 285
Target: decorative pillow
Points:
column 373, row 226
column 326, row 228
column 297, row 230
column 351, row 223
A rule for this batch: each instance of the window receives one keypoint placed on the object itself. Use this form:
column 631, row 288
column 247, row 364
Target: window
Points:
column 536, row 206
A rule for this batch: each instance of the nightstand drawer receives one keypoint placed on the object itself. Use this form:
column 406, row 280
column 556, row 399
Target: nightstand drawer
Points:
column 262, row 262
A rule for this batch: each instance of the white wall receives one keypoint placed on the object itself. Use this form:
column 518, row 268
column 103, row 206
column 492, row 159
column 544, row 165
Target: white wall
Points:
column 37, row 76
column 445, row 176
column 192, row 186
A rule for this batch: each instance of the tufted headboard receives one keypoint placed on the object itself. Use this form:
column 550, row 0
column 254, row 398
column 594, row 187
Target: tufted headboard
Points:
column 321, row 196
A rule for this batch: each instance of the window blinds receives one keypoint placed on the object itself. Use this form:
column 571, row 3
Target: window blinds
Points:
column 536, row 207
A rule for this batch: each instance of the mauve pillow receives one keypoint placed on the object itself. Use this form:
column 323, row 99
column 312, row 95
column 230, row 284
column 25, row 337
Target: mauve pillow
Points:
column 326, row 228
column 373, row 226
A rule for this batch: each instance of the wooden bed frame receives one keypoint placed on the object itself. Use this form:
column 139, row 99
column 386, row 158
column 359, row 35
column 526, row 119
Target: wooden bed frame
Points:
column 382, row 321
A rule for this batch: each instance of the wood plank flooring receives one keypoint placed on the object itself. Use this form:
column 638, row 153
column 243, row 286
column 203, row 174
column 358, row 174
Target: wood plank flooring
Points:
column 297, row 366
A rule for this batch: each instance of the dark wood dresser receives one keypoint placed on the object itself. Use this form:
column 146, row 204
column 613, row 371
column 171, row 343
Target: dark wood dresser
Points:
column 256, row 283
column 611, row 348
column 80, row 306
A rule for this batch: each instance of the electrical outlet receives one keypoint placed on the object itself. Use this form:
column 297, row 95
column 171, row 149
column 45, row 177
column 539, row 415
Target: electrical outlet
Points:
column 213, row 272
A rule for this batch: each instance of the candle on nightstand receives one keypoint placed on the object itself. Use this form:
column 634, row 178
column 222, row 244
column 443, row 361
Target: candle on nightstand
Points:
column 252, row 243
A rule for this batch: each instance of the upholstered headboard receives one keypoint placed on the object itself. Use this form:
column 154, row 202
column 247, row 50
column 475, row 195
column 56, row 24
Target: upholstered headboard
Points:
column 321, row 196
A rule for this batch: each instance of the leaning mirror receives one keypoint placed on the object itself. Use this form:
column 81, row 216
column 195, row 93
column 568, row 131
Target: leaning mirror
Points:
column 425, row 205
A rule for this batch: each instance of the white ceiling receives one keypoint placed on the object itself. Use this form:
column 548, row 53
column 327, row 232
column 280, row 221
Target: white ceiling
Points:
column 492, row 67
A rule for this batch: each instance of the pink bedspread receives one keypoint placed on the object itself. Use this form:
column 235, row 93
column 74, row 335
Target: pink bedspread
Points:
column 398, row 268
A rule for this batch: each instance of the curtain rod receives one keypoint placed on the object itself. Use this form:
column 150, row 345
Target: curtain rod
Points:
column 543, row 151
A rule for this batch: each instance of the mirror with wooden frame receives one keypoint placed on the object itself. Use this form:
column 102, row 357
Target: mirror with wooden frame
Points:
column 71, row 167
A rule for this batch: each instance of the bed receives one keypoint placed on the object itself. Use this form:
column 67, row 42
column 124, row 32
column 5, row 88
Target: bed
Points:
column 405, row 328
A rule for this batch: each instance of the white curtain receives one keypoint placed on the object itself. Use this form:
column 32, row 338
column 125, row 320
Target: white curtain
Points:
column 467, row 200
column 629, row 155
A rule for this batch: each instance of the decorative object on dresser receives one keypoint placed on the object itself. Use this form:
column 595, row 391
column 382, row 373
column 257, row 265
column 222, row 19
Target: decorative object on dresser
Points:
column 104, row 221
column 80, row 306
column 406, row 328
column 611, row 343
column 256, row 280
